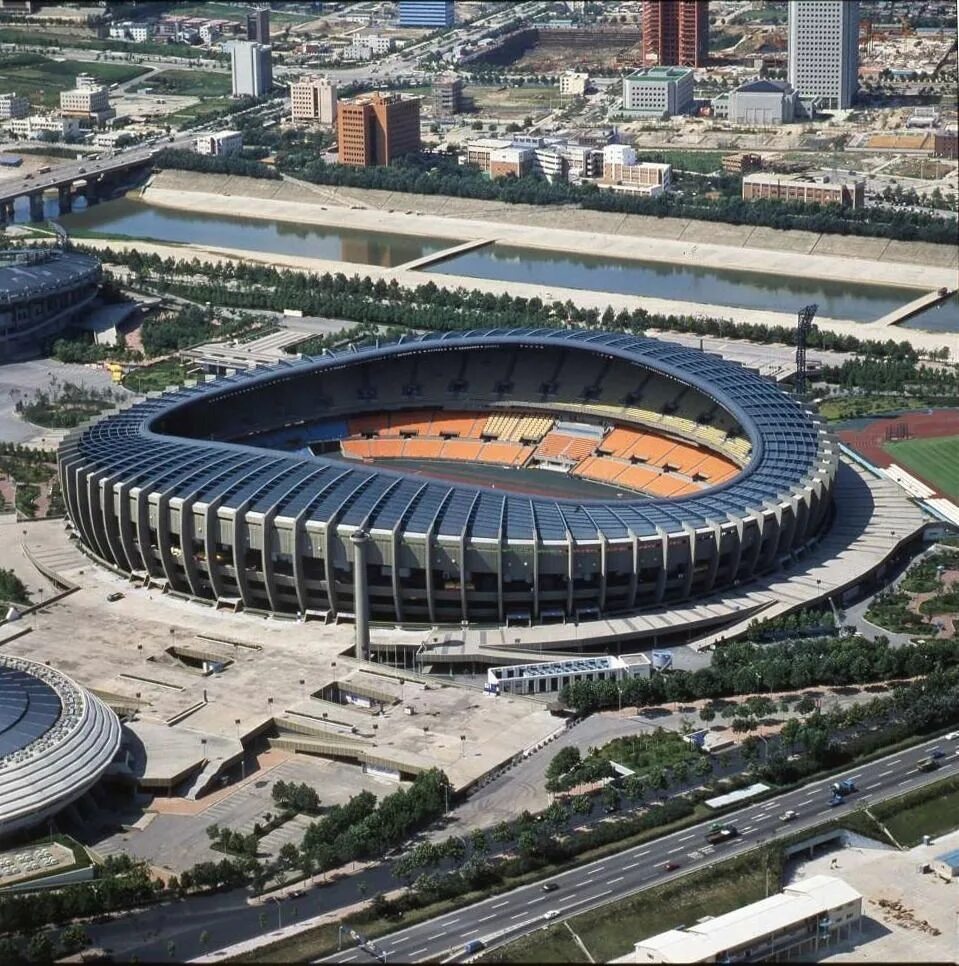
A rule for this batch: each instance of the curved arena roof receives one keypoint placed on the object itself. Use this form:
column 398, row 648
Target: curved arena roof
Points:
column 789, row 453
column 56, row 740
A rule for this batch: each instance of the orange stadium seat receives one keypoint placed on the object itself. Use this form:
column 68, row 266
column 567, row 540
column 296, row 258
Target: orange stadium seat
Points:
column 619, row 441
column 423, row 449
column 383, row 449
column 467, row 450
column 358, row 449
column 508, row 454
column 636, row 477
column 367, row 423
column 600, row 468
column 652, row 449
column 563, row 446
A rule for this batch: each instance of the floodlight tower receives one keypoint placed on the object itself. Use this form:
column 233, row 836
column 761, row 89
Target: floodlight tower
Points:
column 803, row 328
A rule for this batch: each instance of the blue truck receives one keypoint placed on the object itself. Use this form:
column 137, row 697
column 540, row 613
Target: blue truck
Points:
column 840, row 790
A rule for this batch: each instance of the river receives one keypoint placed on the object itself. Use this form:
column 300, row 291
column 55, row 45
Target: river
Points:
column 749, row 290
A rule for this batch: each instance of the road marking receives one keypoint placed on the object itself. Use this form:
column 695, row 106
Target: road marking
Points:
column 347, row 959
column 641, row 854
column 906, row 782
column 537, row 899
column 876, row 785
column 472, row 932
column 883, row 774
column 416, row 952
column 439, row 935
column 632, row 865
column 486, row 918
column 852, row 778
column 808, row 800
column 760, row 817
column 599, row 868
column 896, row 762
column 449, row 922
column 402, row 939
column 686, row 838
column 579, row 902
column 518, row 915
column 671, row 851
column 618, row 878
column 748, row 828
column 499, row 905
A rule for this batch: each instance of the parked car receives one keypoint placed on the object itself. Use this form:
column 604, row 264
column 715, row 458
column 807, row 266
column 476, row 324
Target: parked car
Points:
column 115, row 596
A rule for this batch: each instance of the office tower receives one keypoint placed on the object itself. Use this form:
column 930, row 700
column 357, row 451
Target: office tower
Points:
column 426, row 13
column 675, row 33
column 824, row 51
column 313, row 99
column 377, row 128
column 252, row 69
column 258, row 25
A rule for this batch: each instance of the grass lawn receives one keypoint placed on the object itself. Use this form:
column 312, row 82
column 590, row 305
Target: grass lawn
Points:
column 217, row 11
column 509, row 101
column 196, row 83
column 195, row 112
column 42, row 79
column 854, row 406
column 910, row 818
column 935, row 460
column 169, row 372
column 701, row 161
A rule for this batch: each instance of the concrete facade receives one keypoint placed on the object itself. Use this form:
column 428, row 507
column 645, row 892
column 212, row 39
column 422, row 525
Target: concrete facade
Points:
column 797, row 187
column 763, row 103
column 823, row 42
column 658, row 92
column 313, row 99
column 252, row 67
column 222, row 142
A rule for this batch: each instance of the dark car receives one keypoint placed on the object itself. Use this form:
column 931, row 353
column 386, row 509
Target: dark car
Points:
column 937, row 753
column 670, row 866
column 550, row 887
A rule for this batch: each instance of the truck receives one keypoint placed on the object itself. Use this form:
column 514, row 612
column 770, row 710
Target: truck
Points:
column 844, row 787
column 473, row 946
column 927, row 764
column 720, row 833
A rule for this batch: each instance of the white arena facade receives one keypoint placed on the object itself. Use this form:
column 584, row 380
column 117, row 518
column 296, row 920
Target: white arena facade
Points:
column 56, row 741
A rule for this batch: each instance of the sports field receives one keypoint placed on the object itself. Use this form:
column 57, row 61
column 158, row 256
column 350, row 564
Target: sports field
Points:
column 935, row 460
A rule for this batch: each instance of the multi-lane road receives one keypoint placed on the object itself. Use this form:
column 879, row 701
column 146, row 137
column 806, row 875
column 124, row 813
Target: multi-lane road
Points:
column 520, row 912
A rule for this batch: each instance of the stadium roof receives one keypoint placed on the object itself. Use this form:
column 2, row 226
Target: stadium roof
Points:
column 785, row 439
column 34, row 272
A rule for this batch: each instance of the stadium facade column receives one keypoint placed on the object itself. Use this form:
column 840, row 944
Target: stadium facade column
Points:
column 361, row 603
column 634, row 576
column 714, row 560
column 663, row 565
column 187, row 537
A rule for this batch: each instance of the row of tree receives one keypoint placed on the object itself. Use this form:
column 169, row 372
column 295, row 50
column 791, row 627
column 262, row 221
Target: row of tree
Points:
column 215, row 164
column 442, row 175
column 256, row 286
column 741, row 667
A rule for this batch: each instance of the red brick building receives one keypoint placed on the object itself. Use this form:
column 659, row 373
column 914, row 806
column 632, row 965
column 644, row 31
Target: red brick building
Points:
column 377, row 128
column 675, row 33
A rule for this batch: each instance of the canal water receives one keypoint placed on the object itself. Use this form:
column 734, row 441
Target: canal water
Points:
column 136, row 219
column 750, row 290
column 747, row 290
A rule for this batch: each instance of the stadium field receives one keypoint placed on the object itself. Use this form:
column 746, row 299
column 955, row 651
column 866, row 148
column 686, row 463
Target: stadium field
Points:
column 936, row 460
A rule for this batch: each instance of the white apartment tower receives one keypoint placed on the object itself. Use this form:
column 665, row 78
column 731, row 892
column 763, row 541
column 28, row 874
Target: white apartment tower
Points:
column 824, row 50
column 313, row 99
column 252, row 69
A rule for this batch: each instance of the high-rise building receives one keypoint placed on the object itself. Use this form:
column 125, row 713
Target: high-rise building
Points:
column 447, row 95
column 258, row 25
column 377, row 128
column 824, row 50
column 426, row 13
column 252, row 69
column 13, row 105
column 676, row 32
column 313, row 99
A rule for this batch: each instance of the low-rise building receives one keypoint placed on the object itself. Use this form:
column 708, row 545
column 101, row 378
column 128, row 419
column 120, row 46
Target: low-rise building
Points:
column 516, row 161
column 645, row 178
column 221, row 142
column 356, row 51
column 550, row 677
column 137, row 32
column 313, row 99
column 479, row 151
column 573, row 83
column 34, row 125
column 946, row 145
column 379, row 45
column 742, row 163
column 13, row 105
column 947, row 865
column 89, row 101
column 805, row 188
column 801, row 922
column 760, row 103
column 658, row 92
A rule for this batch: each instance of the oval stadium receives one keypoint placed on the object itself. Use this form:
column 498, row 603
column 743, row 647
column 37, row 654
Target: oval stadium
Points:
column 56, row 740
column 481, row 477
column 41, row 290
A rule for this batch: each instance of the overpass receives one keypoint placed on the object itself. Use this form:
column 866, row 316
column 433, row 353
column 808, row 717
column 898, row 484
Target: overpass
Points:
column 99, row 179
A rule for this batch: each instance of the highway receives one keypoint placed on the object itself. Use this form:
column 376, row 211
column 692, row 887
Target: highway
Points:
column 511, row 915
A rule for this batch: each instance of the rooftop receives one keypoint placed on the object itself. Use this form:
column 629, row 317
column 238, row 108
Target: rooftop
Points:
column 656, row 75
column 950, row 858
column 707, row 940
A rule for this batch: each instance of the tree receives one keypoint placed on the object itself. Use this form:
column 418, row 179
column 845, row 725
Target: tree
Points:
column 564, row 761
column 73, row 939
column 707, row 713
column 40, row 948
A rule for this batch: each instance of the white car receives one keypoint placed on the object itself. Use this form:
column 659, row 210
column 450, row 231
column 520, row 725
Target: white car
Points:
column 952, row 736
column 551, row 914
column 788, row 815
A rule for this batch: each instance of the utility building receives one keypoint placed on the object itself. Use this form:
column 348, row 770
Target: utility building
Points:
column 675, row 33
